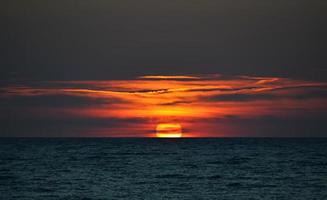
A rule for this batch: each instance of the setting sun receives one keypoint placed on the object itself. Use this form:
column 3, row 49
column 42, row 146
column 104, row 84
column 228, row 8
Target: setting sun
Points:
column 169, row 130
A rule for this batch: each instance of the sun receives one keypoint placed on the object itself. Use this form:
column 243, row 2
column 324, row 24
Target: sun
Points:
column 169, row 130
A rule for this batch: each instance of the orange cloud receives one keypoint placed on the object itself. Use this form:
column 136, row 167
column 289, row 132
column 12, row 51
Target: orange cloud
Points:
column 184, row 99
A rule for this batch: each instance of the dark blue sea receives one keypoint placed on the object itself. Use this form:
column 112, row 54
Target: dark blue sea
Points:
column 139, row 168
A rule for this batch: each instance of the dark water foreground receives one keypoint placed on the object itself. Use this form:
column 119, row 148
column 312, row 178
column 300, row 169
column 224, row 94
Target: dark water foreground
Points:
column 163, row 169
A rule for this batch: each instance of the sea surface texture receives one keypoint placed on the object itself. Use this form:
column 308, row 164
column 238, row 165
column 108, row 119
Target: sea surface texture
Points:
column 94, row 169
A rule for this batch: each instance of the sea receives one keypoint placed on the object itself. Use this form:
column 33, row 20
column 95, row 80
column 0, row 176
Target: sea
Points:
column 153, row 168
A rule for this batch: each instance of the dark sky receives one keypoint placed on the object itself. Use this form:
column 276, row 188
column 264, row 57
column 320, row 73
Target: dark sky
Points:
column 43, row 42
column 101, row 39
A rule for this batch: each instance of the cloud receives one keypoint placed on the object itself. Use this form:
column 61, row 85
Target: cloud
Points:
column 175, row 103
column 56, row 126
column 53, row 100
column 240, row 97
column 156, row 99
column 263, row 126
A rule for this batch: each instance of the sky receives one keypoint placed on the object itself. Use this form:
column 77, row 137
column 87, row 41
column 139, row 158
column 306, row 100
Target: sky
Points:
column 121, row 67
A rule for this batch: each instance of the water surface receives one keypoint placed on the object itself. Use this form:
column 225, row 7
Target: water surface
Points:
column 139, row 168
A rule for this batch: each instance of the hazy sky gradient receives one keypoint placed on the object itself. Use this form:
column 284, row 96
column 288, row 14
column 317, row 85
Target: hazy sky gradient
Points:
column 101, row 39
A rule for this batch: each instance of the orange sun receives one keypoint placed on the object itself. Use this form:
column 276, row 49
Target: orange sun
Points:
column 169, row 130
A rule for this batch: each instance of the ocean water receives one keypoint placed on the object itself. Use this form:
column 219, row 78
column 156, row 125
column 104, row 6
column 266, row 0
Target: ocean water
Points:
column 136, row 168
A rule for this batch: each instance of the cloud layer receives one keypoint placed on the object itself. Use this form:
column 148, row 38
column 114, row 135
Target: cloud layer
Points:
column 205, row 105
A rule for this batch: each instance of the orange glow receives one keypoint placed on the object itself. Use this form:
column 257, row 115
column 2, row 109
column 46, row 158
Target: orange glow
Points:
column 199, row 103
column 169, row 130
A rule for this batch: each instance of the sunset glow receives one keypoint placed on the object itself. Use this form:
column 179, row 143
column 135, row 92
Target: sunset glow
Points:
column 207, row 106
